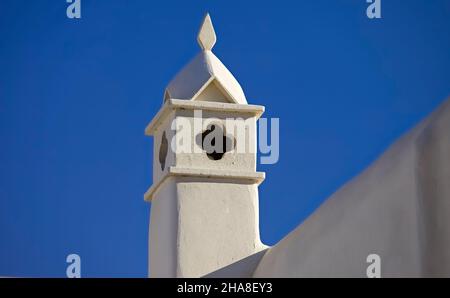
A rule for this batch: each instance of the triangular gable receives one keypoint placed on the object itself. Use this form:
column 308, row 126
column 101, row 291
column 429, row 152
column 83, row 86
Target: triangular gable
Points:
column 213, row 91
column 194, row 82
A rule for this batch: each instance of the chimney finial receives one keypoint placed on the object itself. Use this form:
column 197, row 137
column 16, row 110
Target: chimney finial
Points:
column 206, row 36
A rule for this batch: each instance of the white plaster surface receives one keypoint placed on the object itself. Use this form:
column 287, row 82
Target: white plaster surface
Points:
column 218, row 225
column 205, row 69
column 399, row 208
column 236, row 162
column 163, row 233
column 207, row 36
column 200, row 225
column 204, row 214
column 199, row 73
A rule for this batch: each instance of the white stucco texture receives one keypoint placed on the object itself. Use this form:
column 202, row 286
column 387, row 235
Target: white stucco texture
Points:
column 200, row 225
column 399, row 208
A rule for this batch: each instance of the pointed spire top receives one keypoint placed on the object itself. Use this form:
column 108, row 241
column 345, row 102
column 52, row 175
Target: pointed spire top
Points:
column 206, row 36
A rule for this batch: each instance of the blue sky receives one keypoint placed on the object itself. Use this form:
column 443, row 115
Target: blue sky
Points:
column 76, row 95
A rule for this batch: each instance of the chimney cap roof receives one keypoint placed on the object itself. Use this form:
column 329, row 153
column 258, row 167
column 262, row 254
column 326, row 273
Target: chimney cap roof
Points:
column 189, row 83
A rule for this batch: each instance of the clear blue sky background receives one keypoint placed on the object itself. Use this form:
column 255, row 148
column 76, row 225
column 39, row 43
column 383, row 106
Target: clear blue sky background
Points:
column 76, row 95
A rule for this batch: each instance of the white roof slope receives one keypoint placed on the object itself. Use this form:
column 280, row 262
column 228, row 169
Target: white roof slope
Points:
column 204, row 69
column 397, row 209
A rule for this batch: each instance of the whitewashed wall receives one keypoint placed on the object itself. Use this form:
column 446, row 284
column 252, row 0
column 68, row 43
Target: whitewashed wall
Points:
column 399, row 208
